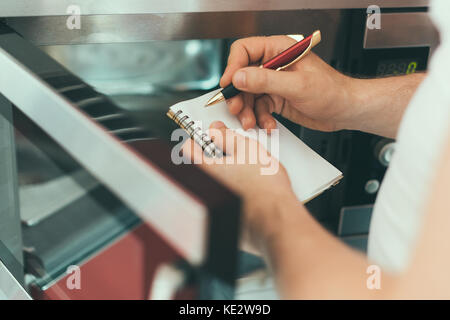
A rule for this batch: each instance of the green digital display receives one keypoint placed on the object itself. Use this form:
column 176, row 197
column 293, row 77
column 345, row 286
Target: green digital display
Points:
column 397, row 67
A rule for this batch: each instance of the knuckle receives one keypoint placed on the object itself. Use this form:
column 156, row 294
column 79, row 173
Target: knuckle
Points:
column 300, row 82
column 236, row 45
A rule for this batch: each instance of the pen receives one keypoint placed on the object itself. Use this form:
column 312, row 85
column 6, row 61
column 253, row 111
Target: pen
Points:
column 283, row 60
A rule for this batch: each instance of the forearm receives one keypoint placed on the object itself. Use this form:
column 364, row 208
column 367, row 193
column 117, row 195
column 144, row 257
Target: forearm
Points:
column 377, row 105
column 310, row 263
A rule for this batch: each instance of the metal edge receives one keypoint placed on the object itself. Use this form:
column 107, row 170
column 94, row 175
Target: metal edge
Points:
column 10, row 287
column 16, row 8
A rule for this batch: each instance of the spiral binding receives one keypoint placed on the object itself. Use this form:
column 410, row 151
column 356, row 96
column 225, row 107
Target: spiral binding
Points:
column 196, row 133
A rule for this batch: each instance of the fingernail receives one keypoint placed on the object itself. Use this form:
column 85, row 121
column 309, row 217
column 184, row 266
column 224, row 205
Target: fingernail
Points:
column 239, row 79
column 217, row 125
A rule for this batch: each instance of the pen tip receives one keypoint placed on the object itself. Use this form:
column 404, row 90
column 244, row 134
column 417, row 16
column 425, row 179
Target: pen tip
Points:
column 216, row 99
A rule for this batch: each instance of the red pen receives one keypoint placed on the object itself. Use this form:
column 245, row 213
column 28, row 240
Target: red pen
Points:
column 283, row 60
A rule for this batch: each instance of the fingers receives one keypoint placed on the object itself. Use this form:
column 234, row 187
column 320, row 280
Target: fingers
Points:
column 242, row 106
column 251, row 112
column 286, row 84
column 238, row 150
column 236, row 104
column 252, row 50
column 242, row 53
column 247, row 118
column 192, row 151
column 263, row 111
column 226, row 139
column 247, row 115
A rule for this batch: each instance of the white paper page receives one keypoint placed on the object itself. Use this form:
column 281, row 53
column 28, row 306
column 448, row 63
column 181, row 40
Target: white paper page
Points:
column 309, row 173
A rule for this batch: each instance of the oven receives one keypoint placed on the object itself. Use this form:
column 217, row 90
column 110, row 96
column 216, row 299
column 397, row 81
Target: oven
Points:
column 91, row 205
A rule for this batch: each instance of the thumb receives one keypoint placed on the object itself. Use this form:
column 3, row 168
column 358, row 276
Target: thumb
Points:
column 261, row 80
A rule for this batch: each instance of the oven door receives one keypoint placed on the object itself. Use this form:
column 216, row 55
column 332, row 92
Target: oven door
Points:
column 128, row 208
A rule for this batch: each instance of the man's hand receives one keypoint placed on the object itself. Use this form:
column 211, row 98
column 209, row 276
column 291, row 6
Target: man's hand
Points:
column 307, row 261
column 311, row 93
column 261, row 194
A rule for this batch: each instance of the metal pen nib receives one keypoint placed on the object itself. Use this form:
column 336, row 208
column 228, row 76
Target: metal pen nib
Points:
column 216, row 99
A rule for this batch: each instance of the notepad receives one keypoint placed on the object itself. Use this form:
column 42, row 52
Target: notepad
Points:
column 308, row 172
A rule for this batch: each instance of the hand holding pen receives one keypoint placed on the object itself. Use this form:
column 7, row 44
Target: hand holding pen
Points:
column 280, row 62
column 310, row 92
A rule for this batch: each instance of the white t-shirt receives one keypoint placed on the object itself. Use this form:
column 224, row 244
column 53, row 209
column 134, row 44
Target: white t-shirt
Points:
column 399, row 209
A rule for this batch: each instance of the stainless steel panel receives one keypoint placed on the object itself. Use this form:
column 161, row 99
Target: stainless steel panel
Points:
column 145, row 27
column 81, row 229
column 9, row 287
column 400, row 30
column 144, row 188
column 14, row 8
column 10, row 232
